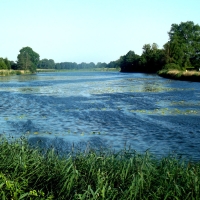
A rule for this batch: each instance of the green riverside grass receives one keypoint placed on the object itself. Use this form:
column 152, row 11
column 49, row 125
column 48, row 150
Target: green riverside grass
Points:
column 28, row 172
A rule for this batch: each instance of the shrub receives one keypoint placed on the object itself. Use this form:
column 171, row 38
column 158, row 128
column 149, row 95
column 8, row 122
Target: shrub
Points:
column 18, row 73
column 172, row 66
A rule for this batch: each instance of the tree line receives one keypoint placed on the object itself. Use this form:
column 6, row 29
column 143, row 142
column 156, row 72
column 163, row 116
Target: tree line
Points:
column 27, row 60
column 182, row 51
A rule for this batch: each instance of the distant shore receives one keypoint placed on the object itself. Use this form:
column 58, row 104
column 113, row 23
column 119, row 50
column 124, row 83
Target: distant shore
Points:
column 6, row 72
column 78, row 70
column 180, row 75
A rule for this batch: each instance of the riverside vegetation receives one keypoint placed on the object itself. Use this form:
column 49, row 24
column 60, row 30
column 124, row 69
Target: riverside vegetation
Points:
column 180, row 75
column 181, row 52
column 28, row 172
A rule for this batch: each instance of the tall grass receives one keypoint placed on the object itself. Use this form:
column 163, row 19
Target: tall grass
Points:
column 28, row 172
column 180, row 75
column 13, row 72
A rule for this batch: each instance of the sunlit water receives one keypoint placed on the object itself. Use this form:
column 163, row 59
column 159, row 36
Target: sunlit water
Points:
column 103, row 109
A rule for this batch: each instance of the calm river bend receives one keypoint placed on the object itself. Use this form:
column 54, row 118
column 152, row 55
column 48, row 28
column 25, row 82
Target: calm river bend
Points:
column 103, row 109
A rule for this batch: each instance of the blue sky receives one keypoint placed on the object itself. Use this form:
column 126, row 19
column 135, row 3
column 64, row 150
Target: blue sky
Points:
column 89, row 30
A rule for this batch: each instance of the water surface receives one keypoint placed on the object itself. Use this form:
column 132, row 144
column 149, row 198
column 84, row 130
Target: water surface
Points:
column 103, row 109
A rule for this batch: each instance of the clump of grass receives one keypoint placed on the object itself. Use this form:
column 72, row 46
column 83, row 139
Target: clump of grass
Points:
column 180, row 75
column 34, row 173
column 6, row 72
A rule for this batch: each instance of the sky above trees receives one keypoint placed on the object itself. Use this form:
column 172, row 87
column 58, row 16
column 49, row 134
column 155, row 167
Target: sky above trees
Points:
column 89, row 31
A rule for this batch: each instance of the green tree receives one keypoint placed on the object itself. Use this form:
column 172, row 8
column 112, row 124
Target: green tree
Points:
column 3, row 64
column 28, row 59
column 185, row 37
column 7, row 62
column 13, row 65
column 129, row 62
column 174, row 54
column 152, row 58
column 46, row 64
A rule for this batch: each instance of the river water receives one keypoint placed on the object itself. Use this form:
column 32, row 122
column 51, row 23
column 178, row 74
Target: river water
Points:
column 103, row 109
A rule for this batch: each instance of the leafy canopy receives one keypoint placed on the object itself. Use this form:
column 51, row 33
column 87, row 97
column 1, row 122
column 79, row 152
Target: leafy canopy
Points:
column 28, row 59
column 183, row 47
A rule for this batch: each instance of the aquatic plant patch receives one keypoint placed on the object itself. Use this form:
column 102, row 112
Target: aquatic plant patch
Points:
column 168, row 111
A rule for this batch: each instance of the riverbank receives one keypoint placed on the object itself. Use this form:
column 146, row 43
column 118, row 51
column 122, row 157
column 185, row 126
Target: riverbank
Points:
column 31, row 173
column 180, row 75
column 77, row 70
column 13, row 72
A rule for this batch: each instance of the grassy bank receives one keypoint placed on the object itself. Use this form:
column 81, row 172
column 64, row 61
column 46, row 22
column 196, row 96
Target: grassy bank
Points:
column 180, row 75
column 26, row 173
column 13, row 72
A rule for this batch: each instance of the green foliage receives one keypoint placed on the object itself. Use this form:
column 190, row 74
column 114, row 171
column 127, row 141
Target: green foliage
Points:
column 27, row 59
column 152, row 58
column 3, row 64
column 82, row 66
column 13, row 65
column 18, row 72
column 178, row 75
column 46, row 64
column 129, row 62
column 172, row 66
column 33, row 173
column 7, row 62
column 174, row 53
column 184, row 46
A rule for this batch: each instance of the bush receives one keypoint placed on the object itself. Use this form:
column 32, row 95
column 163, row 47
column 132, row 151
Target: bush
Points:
column 18, row 73
column 172, row 66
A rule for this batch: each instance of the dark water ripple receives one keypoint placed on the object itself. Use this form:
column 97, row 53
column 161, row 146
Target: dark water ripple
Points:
column 103, row 110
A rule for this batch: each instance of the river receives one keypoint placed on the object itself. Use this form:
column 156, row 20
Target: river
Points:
column 103, row 109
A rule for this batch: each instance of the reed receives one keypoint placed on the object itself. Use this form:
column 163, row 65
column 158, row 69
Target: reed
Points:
column 180, row 75
column 13, row 72
column 28, row 172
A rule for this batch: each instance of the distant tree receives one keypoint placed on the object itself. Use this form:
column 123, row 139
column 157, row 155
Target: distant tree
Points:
column 91, row 65
column 46, row 64
column 129, row 62
column 101, row 65
column 24, row 61
column 113, row 64
column 152, row 58
column 2, row 64
column 51, row 64
column 13, row 65
column 7, row 62
column 28, row 59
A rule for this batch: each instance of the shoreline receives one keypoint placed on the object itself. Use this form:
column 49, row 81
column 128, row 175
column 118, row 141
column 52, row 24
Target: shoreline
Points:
column 77, row 70
column 193, row 76
column 5, row 72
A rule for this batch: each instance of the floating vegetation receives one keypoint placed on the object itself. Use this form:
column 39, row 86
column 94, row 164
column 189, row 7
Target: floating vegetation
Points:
column 21, row 117
column 185, row 103
column 167, row 111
